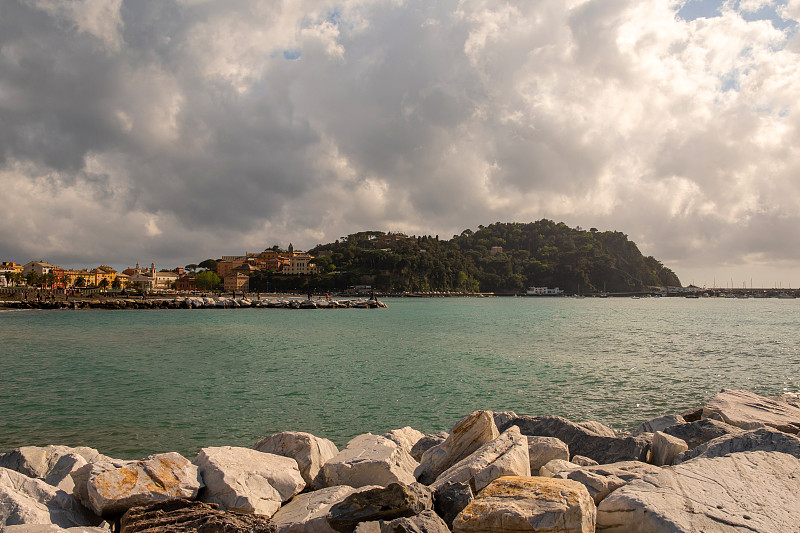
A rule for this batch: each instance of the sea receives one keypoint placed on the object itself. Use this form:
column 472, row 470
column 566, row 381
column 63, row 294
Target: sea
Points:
column 135, row 382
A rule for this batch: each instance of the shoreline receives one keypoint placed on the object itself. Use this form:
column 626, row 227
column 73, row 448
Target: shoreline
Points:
column 77, row 303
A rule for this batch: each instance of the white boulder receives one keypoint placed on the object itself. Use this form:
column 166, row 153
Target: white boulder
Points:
column 52, row 464
column 247, row 480
column 507, row 455
column 307, row 513
column 309, row 451
column 370, row 460
column 542, row 450
column 405, row 437
column 666, row 448
column 25, row 501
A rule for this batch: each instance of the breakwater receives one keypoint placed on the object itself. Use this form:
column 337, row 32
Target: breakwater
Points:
column 732, row 464
column 194, row 303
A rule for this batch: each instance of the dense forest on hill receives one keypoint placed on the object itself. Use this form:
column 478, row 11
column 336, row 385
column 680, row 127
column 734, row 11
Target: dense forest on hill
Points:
column 542, row 254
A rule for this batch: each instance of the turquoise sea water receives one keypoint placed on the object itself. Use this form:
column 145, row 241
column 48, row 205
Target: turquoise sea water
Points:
column 136, row 382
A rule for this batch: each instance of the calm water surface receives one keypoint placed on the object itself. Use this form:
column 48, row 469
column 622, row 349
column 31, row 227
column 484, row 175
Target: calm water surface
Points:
column 136, row 382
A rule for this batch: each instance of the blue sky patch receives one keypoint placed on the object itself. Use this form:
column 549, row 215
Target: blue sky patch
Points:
column 291, row 55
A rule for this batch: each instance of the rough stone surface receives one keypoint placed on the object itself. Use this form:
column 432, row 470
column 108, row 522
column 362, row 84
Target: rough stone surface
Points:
column 52, row 464
column 529, row 504
column 309, row 451
column 501, row 418
column 581, row 441
column 542, row 450
column 426, row 443
column 701, row 431
column 602, row 480
column 425, row 522
column 183, row 516
column 507, row 455
column 580, row 460
column 466, row 436
column 766, row 440
column 659, row 424
column 405, row 437
column 383, row 503
column 597, row 428
column 748, row 492
column 26, row 501
column 246, row 480
column 114, row 487
column 666, row 448
column 743, row 409
column 308, row 512
column 370, row 460
column 450, row 499
column 551, row 468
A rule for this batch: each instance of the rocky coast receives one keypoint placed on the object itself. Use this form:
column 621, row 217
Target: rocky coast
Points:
column 732, row 464
column 194, row 302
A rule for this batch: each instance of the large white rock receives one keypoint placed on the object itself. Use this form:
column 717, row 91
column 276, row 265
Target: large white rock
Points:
column 370, row 460
column 747, row 491
column 764, row 440
column 602, row 480
column 469, row 434
column 307, row 513
column 113, row 487
column 405, row 437
column 748, row 410
column 666, row 448
column 247, row 480
column 542, row 450
column 52, row 464
column 25, row 500
column 52, row 528
column 533, row 504
column 659, row 424
column 554, row 466
column 507, row 455
column 309, row 451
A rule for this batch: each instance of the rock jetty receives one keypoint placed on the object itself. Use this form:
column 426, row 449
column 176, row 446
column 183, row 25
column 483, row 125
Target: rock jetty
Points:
column 195, row 302
column 731, row 465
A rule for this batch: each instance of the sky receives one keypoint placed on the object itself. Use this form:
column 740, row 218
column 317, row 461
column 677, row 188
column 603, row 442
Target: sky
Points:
column 171, row 131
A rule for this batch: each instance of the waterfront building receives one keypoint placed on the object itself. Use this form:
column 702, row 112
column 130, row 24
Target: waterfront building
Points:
column 236, row 281
column 544, row 291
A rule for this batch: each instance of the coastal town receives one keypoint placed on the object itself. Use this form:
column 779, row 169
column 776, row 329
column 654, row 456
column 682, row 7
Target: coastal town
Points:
column 232, row 273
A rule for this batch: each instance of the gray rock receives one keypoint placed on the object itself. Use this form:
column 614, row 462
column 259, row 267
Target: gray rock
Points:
column 309, row 451
column 405, row 437
column 308, row 512
column 542, row 450
column 426, row 443
column 659, row 424
column 26, row 501
column 582, row 441
column 766, row 440
column 666, row 448
column 701, row 431
column 370, row 460
column 580, row 460
column 597, row 428
column 52, row 464
column 743, row 409
column 551, row 468
column 501, row 418
column 246, row 480
column 383, row 503
column 114, row 487
column 602, row 480
column 748, row 491
column 425, row 522
column 507, row 455
column 521, row 504
column 450, row 499
column 466, row 436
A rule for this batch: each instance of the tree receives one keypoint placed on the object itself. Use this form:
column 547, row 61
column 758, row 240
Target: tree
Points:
column 80, row 281
column 104, row 283
column 32, row 278
column 208, row 264
column 191, row 267
column 207, row 280
column 116, row 284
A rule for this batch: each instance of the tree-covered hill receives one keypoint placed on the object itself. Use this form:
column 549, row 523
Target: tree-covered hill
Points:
column 542, row 253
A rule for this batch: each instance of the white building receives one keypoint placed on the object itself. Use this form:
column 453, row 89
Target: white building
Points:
column 544, row 291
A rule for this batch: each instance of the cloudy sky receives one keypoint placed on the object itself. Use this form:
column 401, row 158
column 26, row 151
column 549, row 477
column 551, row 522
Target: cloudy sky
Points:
column 177, row 130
